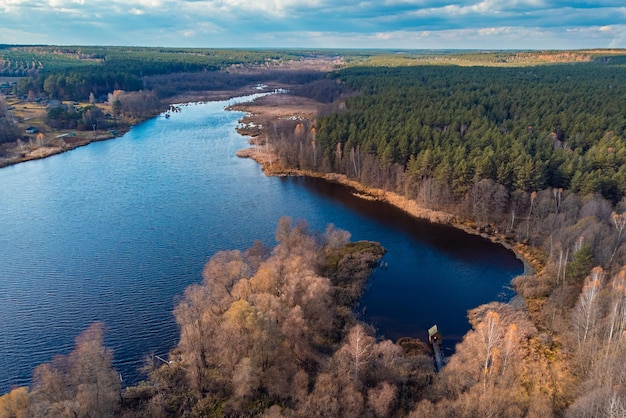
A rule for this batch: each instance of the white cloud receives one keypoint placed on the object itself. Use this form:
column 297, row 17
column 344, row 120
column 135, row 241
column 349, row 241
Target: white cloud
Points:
column 484, row 7
column 64, row 4
column 279, row 8
column 143, row 4
column 386, row 36
column 323, row 23
column 614, row 34
column 152, row 4
column 202, row 28
column 189, row 33
column 493, row 31
column 10, row 6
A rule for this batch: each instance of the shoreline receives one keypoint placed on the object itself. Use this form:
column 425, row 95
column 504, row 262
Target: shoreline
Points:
column 48, row 150
column 304, row 110
column 523, row 252
column 259, row 112
column 56, row 142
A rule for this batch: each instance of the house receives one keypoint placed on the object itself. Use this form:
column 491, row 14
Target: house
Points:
column 5, row 88
column 434, row 337
column 55, row 103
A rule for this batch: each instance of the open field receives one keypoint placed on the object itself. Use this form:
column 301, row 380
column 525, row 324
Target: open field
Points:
column 44, row 141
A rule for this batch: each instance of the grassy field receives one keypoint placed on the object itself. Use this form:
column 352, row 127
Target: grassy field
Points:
column 46, row 141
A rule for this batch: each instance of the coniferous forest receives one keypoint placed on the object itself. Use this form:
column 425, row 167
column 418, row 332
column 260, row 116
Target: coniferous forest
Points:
column 528, row 151
column 527, row 129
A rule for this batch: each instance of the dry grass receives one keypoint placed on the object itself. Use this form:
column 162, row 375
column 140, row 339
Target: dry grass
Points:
column 272, row 109
column 28, row 147
column 211, row 95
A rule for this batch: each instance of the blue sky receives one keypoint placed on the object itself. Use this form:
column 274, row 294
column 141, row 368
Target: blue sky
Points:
column 412, row 24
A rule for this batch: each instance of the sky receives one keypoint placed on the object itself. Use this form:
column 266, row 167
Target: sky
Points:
column 393, row 24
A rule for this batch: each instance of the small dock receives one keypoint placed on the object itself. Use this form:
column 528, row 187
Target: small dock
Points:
column 434, row 338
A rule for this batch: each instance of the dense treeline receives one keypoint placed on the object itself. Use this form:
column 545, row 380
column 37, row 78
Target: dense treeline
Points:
column 72, row 73
column 168, row 85
column 19, row 60
column 8, row 129
column 525, row 152
column 524, row 128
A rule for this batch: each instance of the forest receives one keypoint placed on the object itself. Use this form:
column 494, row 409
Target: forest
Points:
column 526, row 129
column 532, row 156
column 134, row 82
column 516, row 146
column 73, row 73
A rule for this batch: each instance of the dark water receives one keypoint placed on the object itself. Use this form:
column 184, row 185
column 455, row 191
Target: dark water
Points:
column 116, row 230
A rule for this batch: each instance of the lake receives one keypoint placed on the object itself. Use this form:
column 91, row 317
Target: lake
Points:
column 116, row 230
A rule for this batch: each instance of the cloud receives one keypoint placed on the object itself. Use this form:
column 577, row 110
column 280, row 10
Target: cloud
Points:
column 323, row 23
column 384, row 36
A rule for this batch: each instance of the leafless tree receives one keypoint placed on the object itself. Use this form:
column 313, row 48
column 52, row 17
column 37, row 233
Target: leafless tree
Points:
column 82, row 384
column 380, row 398
column 356, row 353
column 585, row 317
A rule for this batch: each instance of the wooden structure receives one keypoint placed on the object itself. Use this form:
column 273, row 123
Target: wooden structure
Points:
column 434, row 338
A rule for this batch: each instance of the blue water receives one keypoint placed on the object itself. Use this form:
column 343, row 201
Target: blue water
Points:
column 115, row 231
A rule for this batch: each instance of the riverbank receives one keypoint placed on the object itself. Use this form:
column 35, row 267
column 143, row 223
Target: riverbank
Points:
column 273, row 108
column 262, row 113
column 59, row 142
column 45, row 141
column 531, row 258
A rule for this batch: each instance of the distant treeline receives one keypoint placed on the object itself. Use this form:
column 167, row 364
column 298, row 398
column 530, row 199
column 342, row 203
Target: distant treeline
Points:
column 72, row 73
column 18, row 60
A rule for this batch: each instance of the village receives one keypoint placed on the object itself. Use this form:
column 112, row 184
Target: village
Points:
column 37, row 139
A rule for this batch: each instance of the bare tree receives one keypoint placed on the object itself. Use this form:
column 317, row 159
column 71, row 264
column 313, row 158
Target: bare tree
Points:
column 4, row 107
column 617, row 310
column 198, row 326
column 585, row 318
column 82, row 384
column 221, row 273
column 490, row 334
column 8, row 128
column 92, row 373
column 356, row 353
column 335, row 238
column 619, row 220
column 380, row 398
